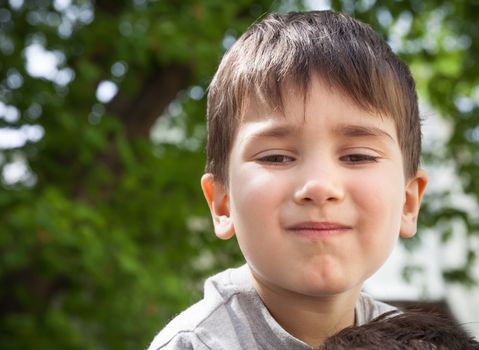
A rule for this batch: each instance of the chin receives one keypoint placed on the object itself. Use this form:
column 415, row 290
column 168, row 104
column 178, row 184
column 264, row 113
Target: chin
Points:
column 330, row 287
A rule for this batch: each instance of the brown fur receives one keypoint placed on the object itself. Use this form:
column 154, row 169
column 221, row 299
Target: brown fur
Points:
column 411, row 330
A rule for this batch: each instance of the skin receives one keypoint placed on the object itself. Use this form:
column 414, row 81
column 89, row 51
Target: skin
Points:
column 317, row 199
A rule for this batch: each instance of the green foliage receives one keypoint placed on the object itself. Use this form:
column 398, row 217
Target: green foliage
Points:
column 106, row 234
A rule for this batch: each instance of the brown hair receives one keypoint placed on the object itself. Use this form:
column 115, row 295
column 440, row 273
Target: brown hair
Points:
column 288, row 49
column 411, row 330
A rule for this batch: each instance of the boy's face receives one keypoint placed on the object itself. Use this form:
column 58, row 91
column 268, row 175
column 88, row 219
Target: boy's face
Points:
column 316, row 197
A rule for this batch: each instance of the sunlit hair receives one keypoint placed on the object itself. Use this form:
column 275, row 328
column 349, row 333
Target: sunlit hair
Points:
column 289, row 49
column 411, row 330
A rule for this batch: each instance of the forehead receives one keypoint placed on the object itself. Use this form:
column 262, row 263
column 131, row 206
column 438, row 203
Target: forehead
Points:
column 300, row 103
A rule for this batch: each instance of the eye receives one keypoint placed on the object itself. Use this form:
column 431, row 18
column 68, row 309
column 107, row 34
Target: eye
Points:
column 276, row 159
column 359, row 158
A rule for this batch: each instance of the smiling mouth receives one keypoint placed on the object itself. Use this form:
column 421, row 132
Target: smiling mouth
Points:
column 318, row 230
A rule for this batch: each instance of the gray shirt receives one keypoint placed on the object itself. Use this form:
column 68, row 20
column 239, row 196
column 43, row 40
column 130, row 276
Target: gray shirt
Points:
column 232, row 316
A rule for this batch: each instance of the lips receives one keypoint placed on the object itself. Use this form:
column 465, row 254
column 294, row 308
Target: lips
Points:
column 318, row 230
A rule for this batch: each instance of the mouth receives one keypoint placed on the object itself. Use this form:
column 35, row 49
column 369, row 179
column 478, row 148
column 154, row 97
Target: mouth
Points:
column 318, row 230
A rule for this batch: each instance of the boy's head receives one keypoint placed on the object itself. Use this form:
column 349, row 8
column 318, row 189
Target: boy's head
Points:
column 412, row 330
column 313, row 152
column 289, row 50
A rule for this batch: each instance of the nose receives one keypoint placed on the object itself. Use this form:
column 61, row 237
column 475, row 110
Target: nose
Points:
column 319, row 185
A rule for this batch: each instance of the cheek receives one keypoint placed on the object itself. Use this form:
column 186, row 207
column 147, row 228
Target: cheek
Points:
column 255, row 197
column 380, row 198
column 254, row 203
column 251, row 189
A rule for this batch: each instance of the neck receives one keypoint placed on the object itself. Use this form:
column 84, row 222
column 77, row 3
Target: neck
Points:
column 311, row 319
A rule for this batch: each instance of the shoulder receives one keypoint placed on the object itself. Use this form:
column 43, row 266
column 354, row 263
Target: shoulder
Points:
column 180, row 340
column 180, row 333
column 194, row 327
column 368, row 308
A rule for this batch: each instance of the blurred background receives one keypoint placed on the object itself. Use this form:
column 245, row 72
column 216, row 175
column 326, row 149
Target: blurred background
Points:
column 104, row 233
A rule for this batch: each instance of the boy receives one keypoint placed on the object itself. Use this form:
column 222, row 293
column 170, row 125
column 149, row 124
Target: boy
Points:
column 313, row 150
column 411, row 330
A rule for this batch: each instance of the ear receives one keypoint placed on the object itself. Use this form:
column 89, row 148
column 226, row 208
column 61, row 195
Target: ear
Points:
column 218, row 201
column 414, row 191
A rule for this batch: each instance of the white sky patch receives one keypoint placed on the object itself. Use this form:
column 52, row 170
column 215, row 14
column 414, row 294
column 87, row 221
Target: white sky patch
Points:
column 106, row 90
column 18, row 137
column 17, row 171
column 384, row 17
column 118, row 69
column 41, row 63
column 467, row 103
column 14, row 79
column 14, row 172
column 197, row 93
column 228, row 41
column 10, row 138
column 318, row 4
column 164, row 132
column 61, row 5
column 16, row 4
column 9, row 113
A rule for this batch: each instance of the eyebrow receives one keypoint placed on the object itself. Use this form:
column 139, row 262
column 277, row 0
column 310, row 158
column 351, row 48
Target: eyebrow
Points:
column 361, row 131
column 346, row 130
column 278, row 131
